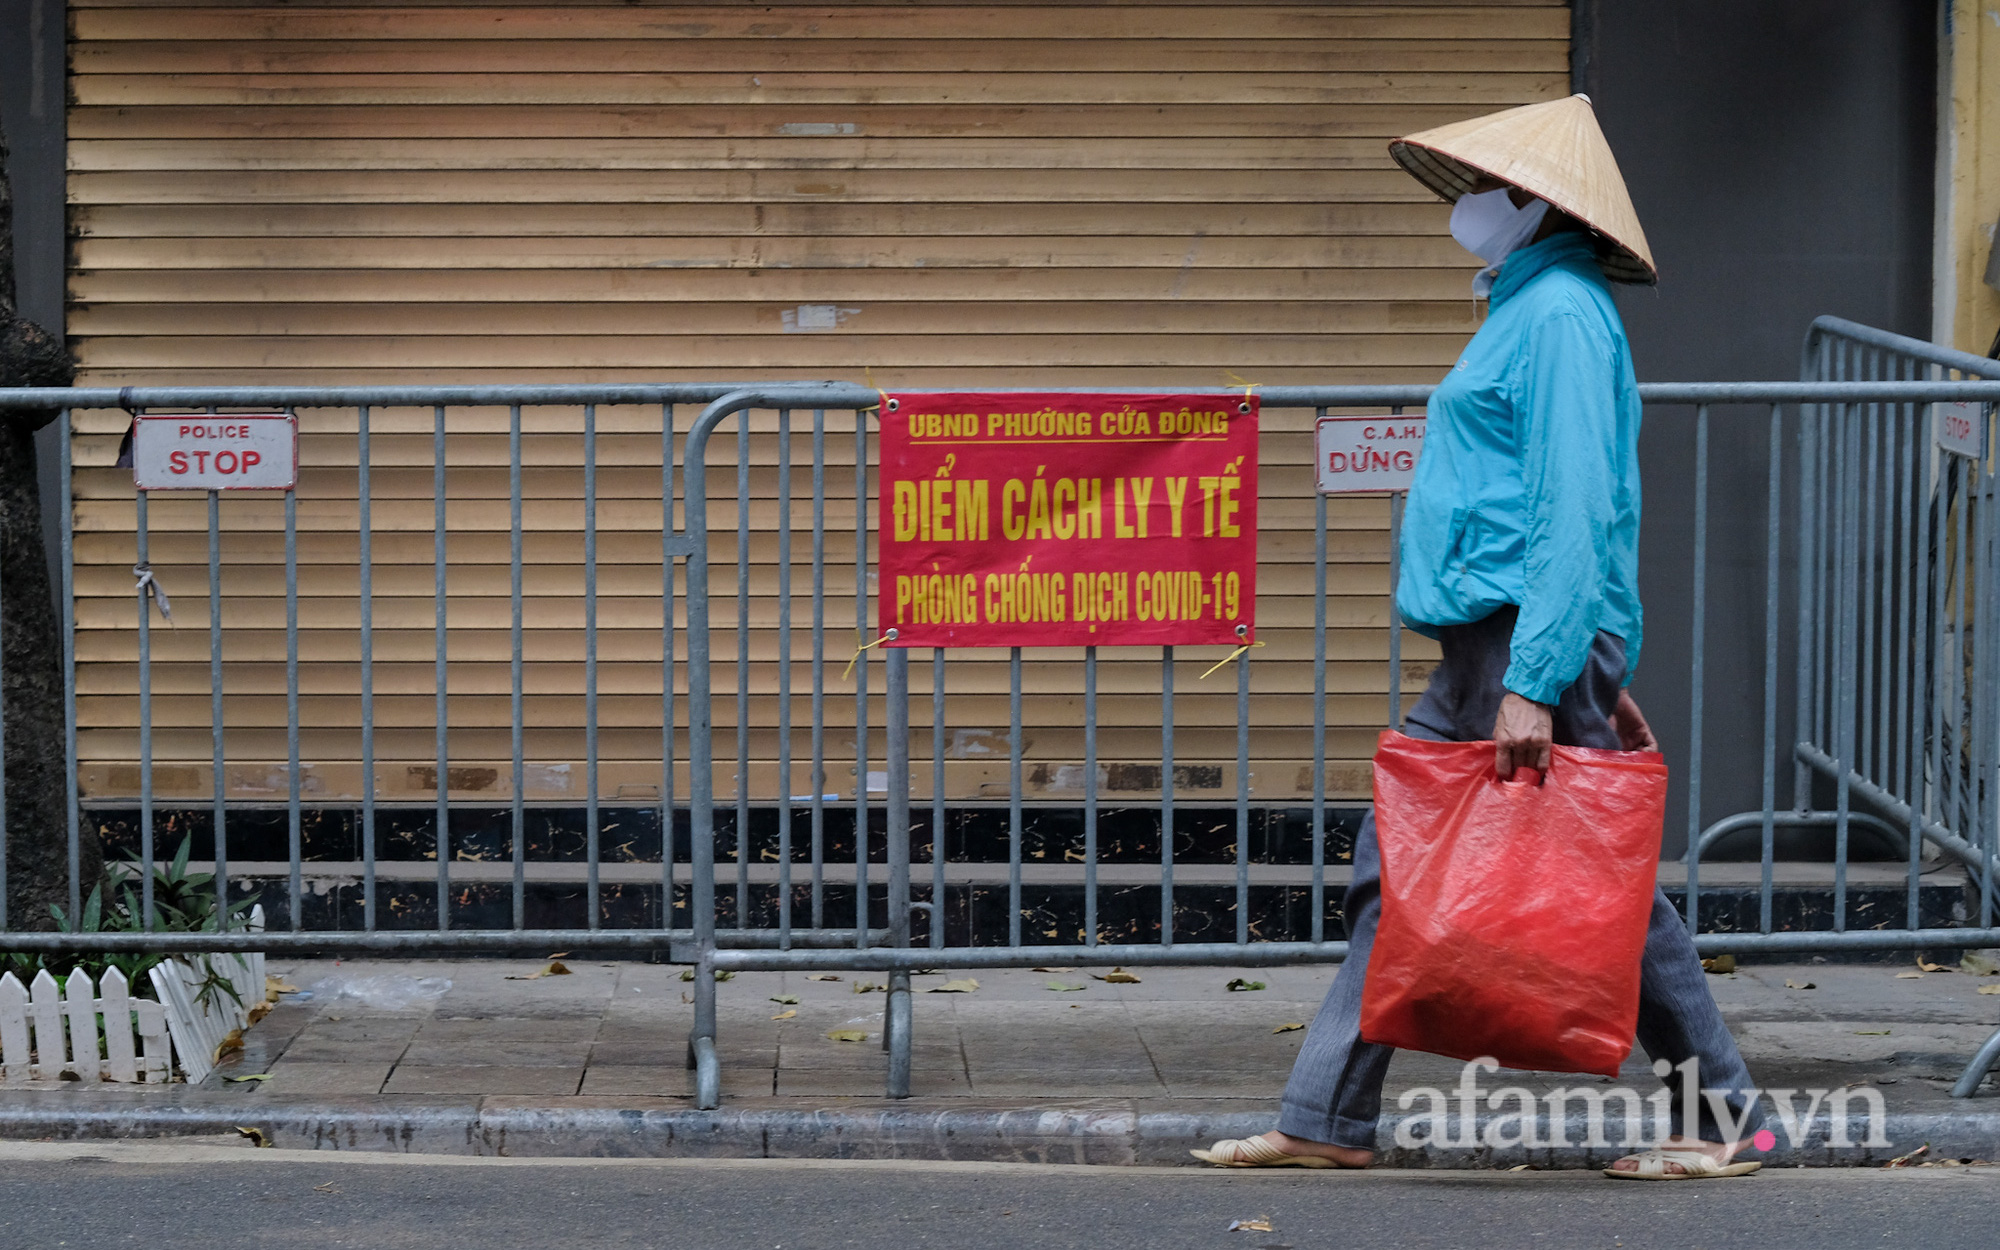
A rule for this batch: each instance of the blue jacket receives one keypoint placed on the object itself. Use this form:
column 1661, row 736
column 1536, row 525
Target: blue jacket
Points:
column 1527, row 491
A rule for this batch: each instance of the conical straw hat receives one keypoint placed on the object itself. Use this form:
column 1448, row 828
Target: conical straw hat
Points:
column 1553, row 150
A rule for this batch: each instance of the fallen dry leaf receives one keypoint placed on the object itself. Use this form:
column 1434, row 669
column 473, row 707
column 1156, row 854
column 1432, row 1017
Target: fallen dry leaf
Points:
column 1989, row 989
column 254, row 1134
column 963, row 985
column 556, row 968
column 867, row 987
column 1262, row 1224
column 327, row 1188
column 1925, row 965
column 233, row 1042
column 1903, row 1161
column 278, row 985
column 1118, row 976
column 1063, row 987
column 783, row 999
column 1871, row 1032
column 786, row 1015
column 1909, row 976
column 1289, row 1026
column 847, row 1035
column 1721, row 965
column 254, row 1076
column 1056, row 969
column 1522, row 1167
column 687, row 974
column 1238, row 984
column 1799, row 985
column 821, row 976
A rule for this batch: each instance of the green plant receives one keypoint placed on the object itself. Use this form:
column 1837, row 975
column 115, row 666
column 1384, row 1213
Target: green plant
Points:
column 183, row 902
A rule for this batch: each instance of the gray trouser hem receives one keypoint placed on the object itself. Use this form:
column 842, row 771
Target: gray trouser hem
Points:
column 1313, row 1124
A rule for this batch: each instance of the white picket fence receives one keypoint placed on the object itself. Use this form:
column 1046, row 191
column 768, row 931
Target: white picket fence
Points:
column 183, row 1025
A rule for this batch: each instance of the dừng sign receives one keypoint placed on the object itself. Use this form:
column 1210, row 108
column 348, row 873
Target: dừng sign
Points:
column 1049, row 519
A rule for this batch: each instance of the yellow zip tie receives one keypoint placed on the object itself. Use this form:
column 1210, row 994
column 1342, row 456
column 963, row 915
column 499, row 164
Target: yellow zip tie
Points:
column 1237, row 379
column 1227, row 658
column 856, row 657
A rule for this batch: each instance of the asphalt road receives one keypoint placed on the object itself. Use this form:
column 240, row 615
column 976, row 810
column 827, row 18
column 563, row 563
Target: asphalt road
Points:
column 221, row 1198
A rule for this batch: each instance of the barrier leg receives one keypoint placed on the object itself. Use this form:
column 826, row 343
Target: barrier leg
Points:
column 1976, row 1071
column 897, row 1021
column 707, row 1074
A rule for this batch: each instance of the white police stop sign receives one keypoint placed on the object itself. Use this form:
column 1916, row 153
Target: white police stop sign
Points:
column 204, row 451
column 1358, row 454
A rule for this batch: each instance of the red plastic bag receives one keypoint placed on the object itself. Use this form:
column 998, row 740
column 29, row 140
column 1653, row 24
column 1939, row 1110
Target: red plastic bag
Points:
column 1513, row 914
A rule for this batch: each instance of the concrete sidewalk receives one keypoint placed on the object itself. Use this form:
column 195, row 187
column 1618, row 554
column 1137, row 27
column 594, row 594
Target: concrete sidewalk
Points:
column 466, row 1057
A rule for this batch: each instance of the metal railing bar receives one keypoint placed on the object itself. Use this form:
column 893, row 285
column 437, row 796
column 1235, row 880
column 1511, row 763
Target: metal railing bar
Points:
column 861, row 566
column 1318, row 834
column 1805, row 692
column 1089, row 795
column 819, row 672
column 294, row 817
column 1167, row 796
column 1916, row 471
column 1985, row 676
column 1938, row 834
column 442, row 810
column 593, row 849
column 1243, row 797
column 1014, row 796
column 74, row 910
column 1867, row 679
column 141, row 539
column 519, row 847
column 837, row 395
column 678, row 943
column 666, row 665
column 1279, row 954
column 365, row 525
column 784, row 678
column 1774, row 508
column 72, row 792
column 1396, row 500
column 1696, row 660
column 937, row 913
column 742, row 839
column 218, row 789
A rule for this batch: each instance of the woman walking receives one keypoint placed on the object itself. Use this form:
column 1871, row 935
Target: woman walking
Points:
column 1520, row 556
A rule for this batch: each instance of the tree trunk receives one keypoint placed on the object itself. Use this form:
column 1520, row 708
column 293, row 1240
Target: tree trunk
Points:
column 30, row 639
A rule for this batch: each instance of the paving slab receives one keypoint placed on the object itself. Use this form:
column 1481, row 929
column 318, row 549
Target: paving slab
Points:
column 455, row 1056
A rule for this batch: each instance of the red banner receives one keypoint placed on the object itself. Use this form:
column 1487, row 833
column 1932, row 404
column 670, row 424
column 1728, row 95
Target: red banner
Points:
column 1035, row 520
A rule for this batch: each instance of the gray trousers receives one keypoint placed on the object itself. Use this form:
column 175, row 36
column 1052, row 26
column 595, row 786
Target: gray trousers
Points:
column 1335, row 1093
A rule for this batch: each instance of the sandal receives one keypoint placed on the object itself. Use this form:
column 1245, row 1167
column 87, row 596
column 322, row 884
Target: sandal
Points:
column 1695, row 1165
column 1255, row 1152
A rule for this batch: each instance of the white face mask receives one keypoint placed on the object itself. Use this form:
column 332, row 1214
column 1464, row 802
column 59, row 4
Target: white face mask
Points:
column 1489, row 226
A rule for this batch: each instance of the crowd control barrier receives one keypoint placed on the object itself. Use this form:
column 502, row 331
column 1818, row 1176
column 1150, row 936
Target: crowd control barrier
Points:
column 1892, row 738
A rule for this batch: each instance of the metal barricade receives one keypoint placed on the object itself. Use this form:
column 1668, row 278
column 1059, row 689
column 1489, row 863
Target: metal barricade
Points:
column 1824, row 415
column 367, row 435
column 762, row 919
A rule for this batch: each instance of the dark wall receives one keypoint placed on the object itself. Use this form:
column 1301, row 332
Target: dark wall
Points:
column 32, row 97
column 1781, row 155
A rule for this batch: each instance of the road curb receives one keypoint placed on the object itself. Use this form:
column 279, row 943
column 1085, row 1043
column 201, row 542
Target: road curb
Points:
column 1111, row 1132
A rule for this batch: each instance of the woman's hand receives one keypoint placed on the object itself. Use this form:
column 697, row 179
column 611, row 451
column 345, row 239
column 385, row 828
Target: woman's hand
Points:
column 1521, row 735
column 1634, row 734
